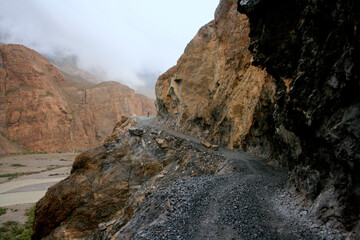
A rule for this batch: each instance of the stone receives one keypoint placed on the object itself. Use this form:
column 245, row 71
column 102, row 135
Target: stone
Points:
column 162, row 144
column 215, row 147
column 102, row 194
column 102, row 227
column 160, row 141
column 136, row 131
column 206, row 144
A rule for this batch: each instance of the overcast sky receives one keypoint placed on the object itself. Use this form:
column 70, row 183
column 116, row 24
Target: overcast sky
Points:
column 126, row 40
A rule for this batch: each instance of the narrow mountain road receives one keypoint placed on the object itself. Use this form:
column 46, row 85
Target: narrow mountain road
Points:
column 246, row 199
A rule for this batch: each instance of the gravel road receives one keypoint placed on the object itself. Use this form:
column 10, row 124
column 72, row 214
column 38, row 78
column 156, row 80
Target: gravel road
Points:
column 246, row 199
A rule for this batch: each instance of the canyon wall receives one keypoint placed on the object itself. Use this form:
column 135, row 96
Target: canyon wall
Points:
column 312, row 49
column 213, row 90
column 44, row 110
column 290, row 93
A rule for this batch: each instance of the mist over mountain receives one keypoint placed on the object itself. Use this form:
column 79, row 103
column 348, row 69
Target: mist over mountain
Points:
column 110, row 39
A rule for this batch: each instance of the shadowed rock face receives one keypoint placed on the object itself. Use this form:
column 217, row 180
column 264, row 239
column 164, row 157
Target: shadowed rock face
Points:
column 312, row 49
column 44, row 110
column 213, row 90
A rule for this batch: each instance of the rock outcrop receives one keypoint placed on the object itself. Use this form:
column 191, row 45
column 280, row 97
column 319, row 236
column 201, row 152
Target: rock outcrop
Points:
column 213, row 90
column 108, row 184
column 42, row 110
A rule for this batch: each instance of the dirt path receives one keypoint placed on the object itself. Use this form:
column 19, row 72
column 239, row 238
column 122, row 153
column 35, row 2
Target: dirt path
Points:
column 247, row 199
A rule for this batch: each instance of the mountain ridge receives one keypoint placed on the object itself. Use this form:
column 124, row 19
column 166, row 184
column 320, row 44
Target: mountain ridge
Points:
column 45, row 111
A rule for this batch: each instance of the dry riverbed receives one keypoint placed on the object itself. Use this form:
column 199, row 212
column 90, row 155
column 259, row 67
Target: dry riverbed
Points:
column 24, row 179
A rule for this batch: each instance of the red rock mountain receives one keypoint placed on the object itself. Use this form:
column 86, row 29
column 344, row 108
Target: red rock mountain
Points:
column 45, row 110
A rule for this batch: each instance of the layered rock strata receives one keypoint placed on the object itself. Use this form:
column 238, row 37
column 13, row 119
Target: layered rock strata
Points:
column 43, row 110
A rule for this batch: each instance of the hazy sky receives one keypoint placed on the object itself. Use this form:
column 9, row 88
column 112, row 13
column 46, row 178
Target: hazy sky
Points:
column 125, row 39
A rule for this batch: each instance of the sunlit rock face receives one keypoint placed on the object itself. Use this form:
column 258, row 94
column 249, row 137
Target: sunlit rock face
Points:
column 44, row 111
column 213, row 91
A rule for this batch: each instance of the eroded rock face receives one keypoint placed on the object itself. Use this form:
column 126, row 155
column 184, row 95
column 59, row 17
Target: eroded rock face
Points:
column 305, row 115
column 213, row 90
column 44, row 111
column 312, row 49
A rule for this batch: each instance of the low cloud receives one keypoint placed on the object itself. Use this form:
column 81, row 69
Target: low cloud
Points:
column 128, row 41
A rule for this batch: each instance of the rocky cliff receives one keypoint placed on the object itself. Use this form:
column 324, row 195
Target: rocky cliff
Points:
column 43, row 110
column 312, row 51
column 302, row 111
column 214, row 89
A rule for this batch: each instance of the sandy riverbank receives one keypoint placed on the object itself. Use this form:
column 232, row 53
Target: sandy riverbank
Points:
column 29, row 177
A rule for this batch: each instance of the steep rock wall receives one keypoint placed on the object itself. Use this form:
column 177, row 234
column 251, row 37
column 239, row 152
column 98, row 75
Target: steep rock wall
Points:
column 213, row 90
column 305, row 115
column 313, row 51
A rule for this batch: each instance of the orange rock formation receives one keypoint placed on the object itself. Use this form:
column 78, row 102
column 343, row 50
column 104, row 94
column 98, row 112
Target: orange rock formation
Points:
column 214, row 87
column 41, row 110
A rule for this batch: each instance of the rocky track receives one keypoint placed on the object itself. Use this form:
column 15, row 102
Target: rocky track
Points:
column 246, row 199
column 150, row 182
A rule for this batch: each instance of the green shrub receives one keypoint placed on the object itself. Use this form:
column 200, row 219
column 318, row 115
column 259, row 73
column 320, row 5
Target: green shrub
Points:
column 17, row 165
column 12, row 230
column 2, row 211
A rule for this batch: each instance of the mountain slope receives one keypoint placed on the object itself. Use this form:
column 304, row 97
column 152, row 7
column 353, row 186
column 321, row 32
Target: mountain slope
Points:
column 45, row 111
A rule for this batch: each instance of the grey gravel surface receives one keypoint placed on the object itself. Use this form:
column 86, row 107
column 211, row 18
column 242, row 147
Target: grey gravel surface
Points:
column 245, row 199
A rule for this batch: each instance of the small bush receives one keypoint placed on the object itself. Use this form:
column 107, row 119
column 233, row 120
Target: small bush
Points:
column 14, row 231
column 17, row 165
column 2, row 211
